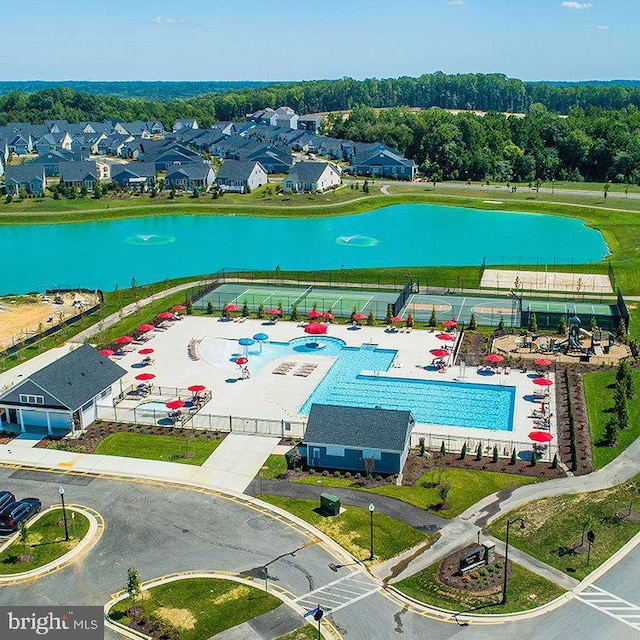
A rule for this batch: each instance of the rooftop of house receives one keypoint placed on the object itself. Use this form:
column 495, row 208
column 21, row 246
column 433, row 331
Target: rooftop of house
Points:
column 309, row 171
column 237, row 169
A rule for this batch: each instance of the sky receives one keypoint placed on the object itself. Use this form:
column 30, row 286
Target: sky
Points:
column 309, row 39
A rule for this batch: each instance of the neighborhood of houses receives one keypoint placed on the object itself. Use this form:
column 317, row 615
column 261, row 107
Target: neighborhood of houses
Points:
column 138, row 156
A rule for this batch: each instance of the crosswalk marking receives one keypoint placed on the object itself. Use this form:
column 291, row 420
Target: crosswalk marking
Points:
column 611, row 605
column 339, row 594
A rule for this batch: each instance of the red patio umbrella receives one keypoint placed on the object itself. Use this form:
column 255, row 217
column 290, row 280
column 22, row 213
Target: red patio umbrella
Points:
column 450, row 323
column 107, row 352
column 175, row 404
column 143, row 328
column 179, row 307
column 542, row 362
column 328, row 316
column 195, row 388
column 447, row 337
column 274, row 312
column 315, row 328
column 165, row 315
column 494, row 358
column 241, row 360
column 231, row 307
column 314, row 313
column 542, row 382
column 398, row 319
column 439, row 353
column 145, row 376
column 358, row 316
column 124, row 340
column 146, row 352
column 540, row 436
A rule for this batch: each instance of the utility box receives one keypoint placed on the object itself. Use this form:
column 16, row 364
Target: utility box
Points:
column 329, row 504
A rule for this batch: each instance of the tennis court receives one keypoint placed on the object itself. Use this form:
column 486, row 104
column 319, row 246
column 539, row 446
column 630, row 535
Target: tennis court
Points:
column 340, row 302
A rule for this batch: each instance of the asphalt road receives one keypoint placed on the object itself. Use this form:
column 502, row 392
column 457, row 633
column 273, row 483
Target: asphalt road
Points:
column 161, row 530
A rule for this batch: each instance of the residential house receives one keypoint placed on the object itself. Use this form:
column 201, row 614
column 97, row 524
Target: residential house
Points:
column 136, row 129
column 79, row 174
column 20, row 143
column 155, row 128
column 188, row 176
column 384, row 163
column 64, row 395
column 138, row 176
column 188, row 123
column 340, row 437
column 237, row 175
column 30, row 178
column 52, row 160
column 286, row 118
column 273, row 159
column 54, row 142
column 311, row 122
column 312, row 176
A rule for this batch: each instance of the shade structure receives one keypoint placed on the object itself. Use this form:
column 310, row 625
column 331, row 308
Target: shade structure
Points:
column 359, row 316
column 494, row 358
column 124, row 340
column 439, row 353
column 314, row 313
column 542, row 362
column 261, row 337
column 195, row 388
column 328, row 316
column 450, row 323
column 398, row 319
column 274, row 312
column 231, row 307
column 542, row 382
column 241, row 360
column 145, row 376
column 143, row 328
column 446, row 337
column 246, row 342
column 179, row 307
column 146, row 352
column 165, row 315
column 540, row 436
column 175, row 404
column 107, row 352
column 315, row 328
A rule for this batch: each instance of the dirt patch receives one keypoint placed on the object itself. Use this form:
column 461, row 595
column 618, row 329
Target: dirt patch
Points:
column 236, row 593
column 179, row 618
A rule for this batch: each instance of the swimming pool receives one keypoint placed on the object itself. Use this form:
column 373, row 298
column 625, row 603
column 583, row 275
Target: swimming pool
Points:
column 433, row 402
column 152, row 406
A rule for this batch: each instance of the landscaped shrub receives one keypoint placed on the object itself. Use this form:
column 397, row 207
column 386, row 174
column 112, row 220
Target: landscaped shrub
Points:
column 479, row 452
column 554, row 463
column 496, row 454
column 325, row 473
column 358, row 476
column 378, row 478
column 347, row 474
column 336, row 474
column 312, row 471
column 443, row 449
column 463, row 451
column 513, row 457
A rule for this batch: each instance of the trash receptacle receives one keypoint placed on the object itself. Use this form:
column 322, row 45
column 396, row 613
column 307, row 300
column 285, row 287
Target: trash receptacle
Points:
column 329, row 504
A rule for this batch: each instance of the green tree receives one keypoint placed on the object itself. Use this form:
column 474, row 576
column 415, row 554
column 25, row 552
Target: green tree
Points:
column 261, row 313
column 473, row 324
column 433, row 319
column 562, row 326
column 514, row 457
column 84, row 190
column 389, row 315
column 443, row 491
column 496, row 454
column 605, row 189
column 189, row 306
column 280, row 309
column 593, row 323
column 133, row 587
column 410, row 320
column 172, row 193
column 533, row 323
column 479, row 452
column 443, row 449
column 611, row 431
column 365, row 187
column 621, row 331
column 463, row 451
column 371, row 319
column 295, row 316
column 24, row 536
column 210, row 309
column 245, row 309
column 501, row 323
column 554, row 462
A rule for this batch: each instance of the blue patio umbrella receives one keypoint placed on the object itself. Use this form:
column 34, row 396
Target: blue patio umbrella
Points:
column 246, row 343
column 261, row 338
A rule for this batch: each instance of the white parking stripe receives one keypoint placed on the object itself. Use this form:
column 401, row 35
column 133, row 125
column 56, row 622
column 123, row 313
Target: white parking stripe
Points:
column 611, row 605
column 364, row 595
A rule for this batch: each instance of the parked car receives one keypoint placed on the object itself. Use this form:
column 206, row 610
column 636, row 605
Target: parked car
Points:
column 6, row 498
column 17, row 512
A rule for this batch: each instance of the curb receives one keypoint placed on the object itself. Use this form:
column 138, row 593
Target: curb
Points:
column 96, row 528
column 329, row 632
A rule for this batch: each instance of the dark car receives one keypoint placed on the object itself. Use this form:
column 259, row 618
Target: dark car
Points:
column 6, row 498
column 17, row 512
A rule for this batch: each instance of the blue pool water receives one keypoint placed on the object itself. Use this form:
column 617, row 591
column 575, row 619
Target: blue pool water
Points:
column 103, row 254
column 431, row 401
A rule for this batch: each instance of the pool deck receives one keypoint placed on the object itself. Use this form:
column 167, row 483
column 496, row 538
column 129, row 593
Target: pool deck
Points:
column 270, row 396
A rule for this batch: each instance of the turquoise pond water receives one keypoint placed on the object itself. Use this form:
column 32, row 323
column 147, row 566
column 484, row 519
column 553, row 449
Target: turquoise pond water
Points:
column 103, row 254
column 431, row 402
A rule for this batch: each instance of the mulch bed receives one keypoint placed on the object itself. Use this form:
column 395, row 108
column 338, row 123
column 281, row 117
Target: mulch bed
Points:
column 634, row 516
column 98, row 431
column 6, row 438
column 358, row 483
column 484, row 581
column 416, row 466
column 474, row 348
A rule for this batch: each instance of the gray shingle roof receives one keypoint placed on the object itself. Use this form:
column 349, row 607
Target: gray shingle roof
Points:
column 78, row 376
column 79, row 171
column 140, row 169
column 237, row 169
column 193, row 171
column 24, row 173
column 358, row 427
column 307, row 171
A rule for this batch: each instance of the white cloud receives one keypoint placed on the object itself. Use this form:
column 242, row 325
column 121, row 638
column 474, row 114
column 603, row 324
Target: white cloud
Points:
column 168, row 21
column 579, row 6
column 603, row 27
column 457, row 2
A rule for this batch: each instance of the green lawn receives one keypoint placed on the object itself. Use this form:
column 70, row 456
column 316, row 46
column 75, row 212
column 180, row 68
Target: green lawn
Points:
column 276, row 464
column 45, row 542
column 307, row 632
column 200, row 607
column 599, row 397
column 467, row 487
column 351, row 528
column 157, row 447
column 526, row 591
column 553, row 524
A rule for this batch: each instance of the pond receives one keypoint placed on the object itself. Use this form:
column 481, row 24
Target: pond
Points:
column 103, row 254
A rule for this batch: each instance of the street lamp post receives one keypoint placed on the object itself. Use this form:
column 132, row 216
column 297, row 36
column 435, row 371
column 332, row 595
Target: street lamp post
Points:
column 506, row 557
column 64, row 514
column 372, row 508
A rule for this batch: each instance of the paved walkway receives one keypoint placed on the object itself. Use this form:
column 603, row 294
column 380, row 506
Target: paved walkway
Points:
column 413, row 516
column 273, row 624
column 235, row 463
column 27, row 439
